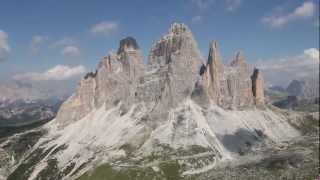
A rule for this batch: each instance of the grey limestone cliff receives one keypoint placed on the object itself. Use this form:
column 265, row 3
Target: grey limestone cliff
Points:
column 114, row 81
column 174, row 72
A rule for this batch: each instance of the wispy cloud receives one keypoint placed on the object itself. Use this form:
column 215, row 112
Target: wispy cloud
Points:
column 304, row 11
column 196, row 19
column 68, row 46
column 65, row 41
column 232, row 5
column 70, row 51
column 282, row 70
column 202, row 4
column 59, row 72
column 4, row 45
column 104, row 28
column 36, row 43
column 202, row 7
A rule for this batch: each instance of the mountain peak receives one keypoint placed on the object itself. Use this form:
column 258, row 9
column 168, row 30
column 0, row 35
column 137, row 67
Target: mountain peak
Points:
column 239, row 59
column 178, row 28
column 179, row 39
column 257, row 87
column 214, row 54
column 128, row 44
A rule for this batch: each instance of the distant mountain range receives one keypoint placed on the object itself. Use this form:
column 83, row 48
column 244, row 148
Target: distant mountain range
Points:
column 12, row 90
column 302, row 95
column 24, row 103
column 304, row 89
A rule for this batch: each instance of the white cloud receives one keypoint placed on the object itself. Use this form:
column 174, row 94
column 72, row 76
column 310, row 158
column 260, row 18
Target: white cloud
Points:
column 105, row 28
column 4, row 46
column 66, row 41
column 202, row 4
column 36, row 42
column 312, row 53
column 232, row 5
column 71, row 51
column 59, row 72
column 306, row 10
column 196, row 19
column 280, row 71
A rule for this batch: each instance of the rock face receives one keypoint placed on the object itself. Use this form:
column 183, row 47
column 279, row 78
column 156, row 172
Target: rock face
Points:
column 214, row 74
column 257, row 87
column 114, row 81
column 230, row 86
column 174, row 73
column 173, row 67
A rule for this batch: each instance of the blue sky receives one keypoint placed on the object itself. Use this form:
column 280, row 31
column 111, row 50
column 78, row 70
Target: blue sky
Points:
column 41, row 34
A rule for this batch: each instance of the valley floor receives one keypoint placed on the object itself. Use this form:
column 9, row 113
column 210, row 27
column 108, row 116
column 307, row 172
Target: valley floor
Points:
column 298, row 159
column 294, row 159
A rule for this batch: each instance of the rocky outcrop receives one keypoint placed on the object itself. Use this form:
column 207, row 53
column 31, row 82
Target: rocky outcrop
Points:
column 258, row 87
column 115, row 81
column 239, row 84
column 230, row 86
column 214, row 73
column 173, row 68
column 174, row 73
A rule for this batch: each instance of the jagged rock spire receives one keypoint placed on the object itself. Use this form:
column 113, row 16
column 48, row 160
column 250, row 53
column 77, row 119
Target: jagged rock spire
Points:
column 171, row 78
column 214, row 70
column 128, row 44
column 179, row 37
column 214, row 58
column 239, row 59
column 178, row 28
column 258, row 87
column 131, row 57
column 115, row 80
column 175, row 59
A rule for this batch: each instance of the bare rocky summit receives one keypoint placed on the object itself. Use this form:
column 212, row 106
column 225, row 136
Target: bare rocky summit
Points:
column 114, row 81
column 258, row 87
column 229, row 86
column 173, row 73
column 176, row 106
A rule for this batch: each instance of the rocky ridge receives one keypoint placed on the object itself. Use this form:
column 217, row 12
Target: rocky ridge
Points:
column 115, row 80
column 177, row 103
column 174, row 72
column 304, row 89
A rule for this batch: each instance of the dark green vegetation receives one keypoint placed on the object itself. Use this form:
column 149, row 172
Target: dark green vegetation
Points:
column 19, row 145
column 296, row 104
column 169, row 170
column 19, row 116
column 11, row 130
column 164, row 164
column 309, row 125
column 299, row 160
column 293, row 160
column 50, row 171
column 24, row 170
